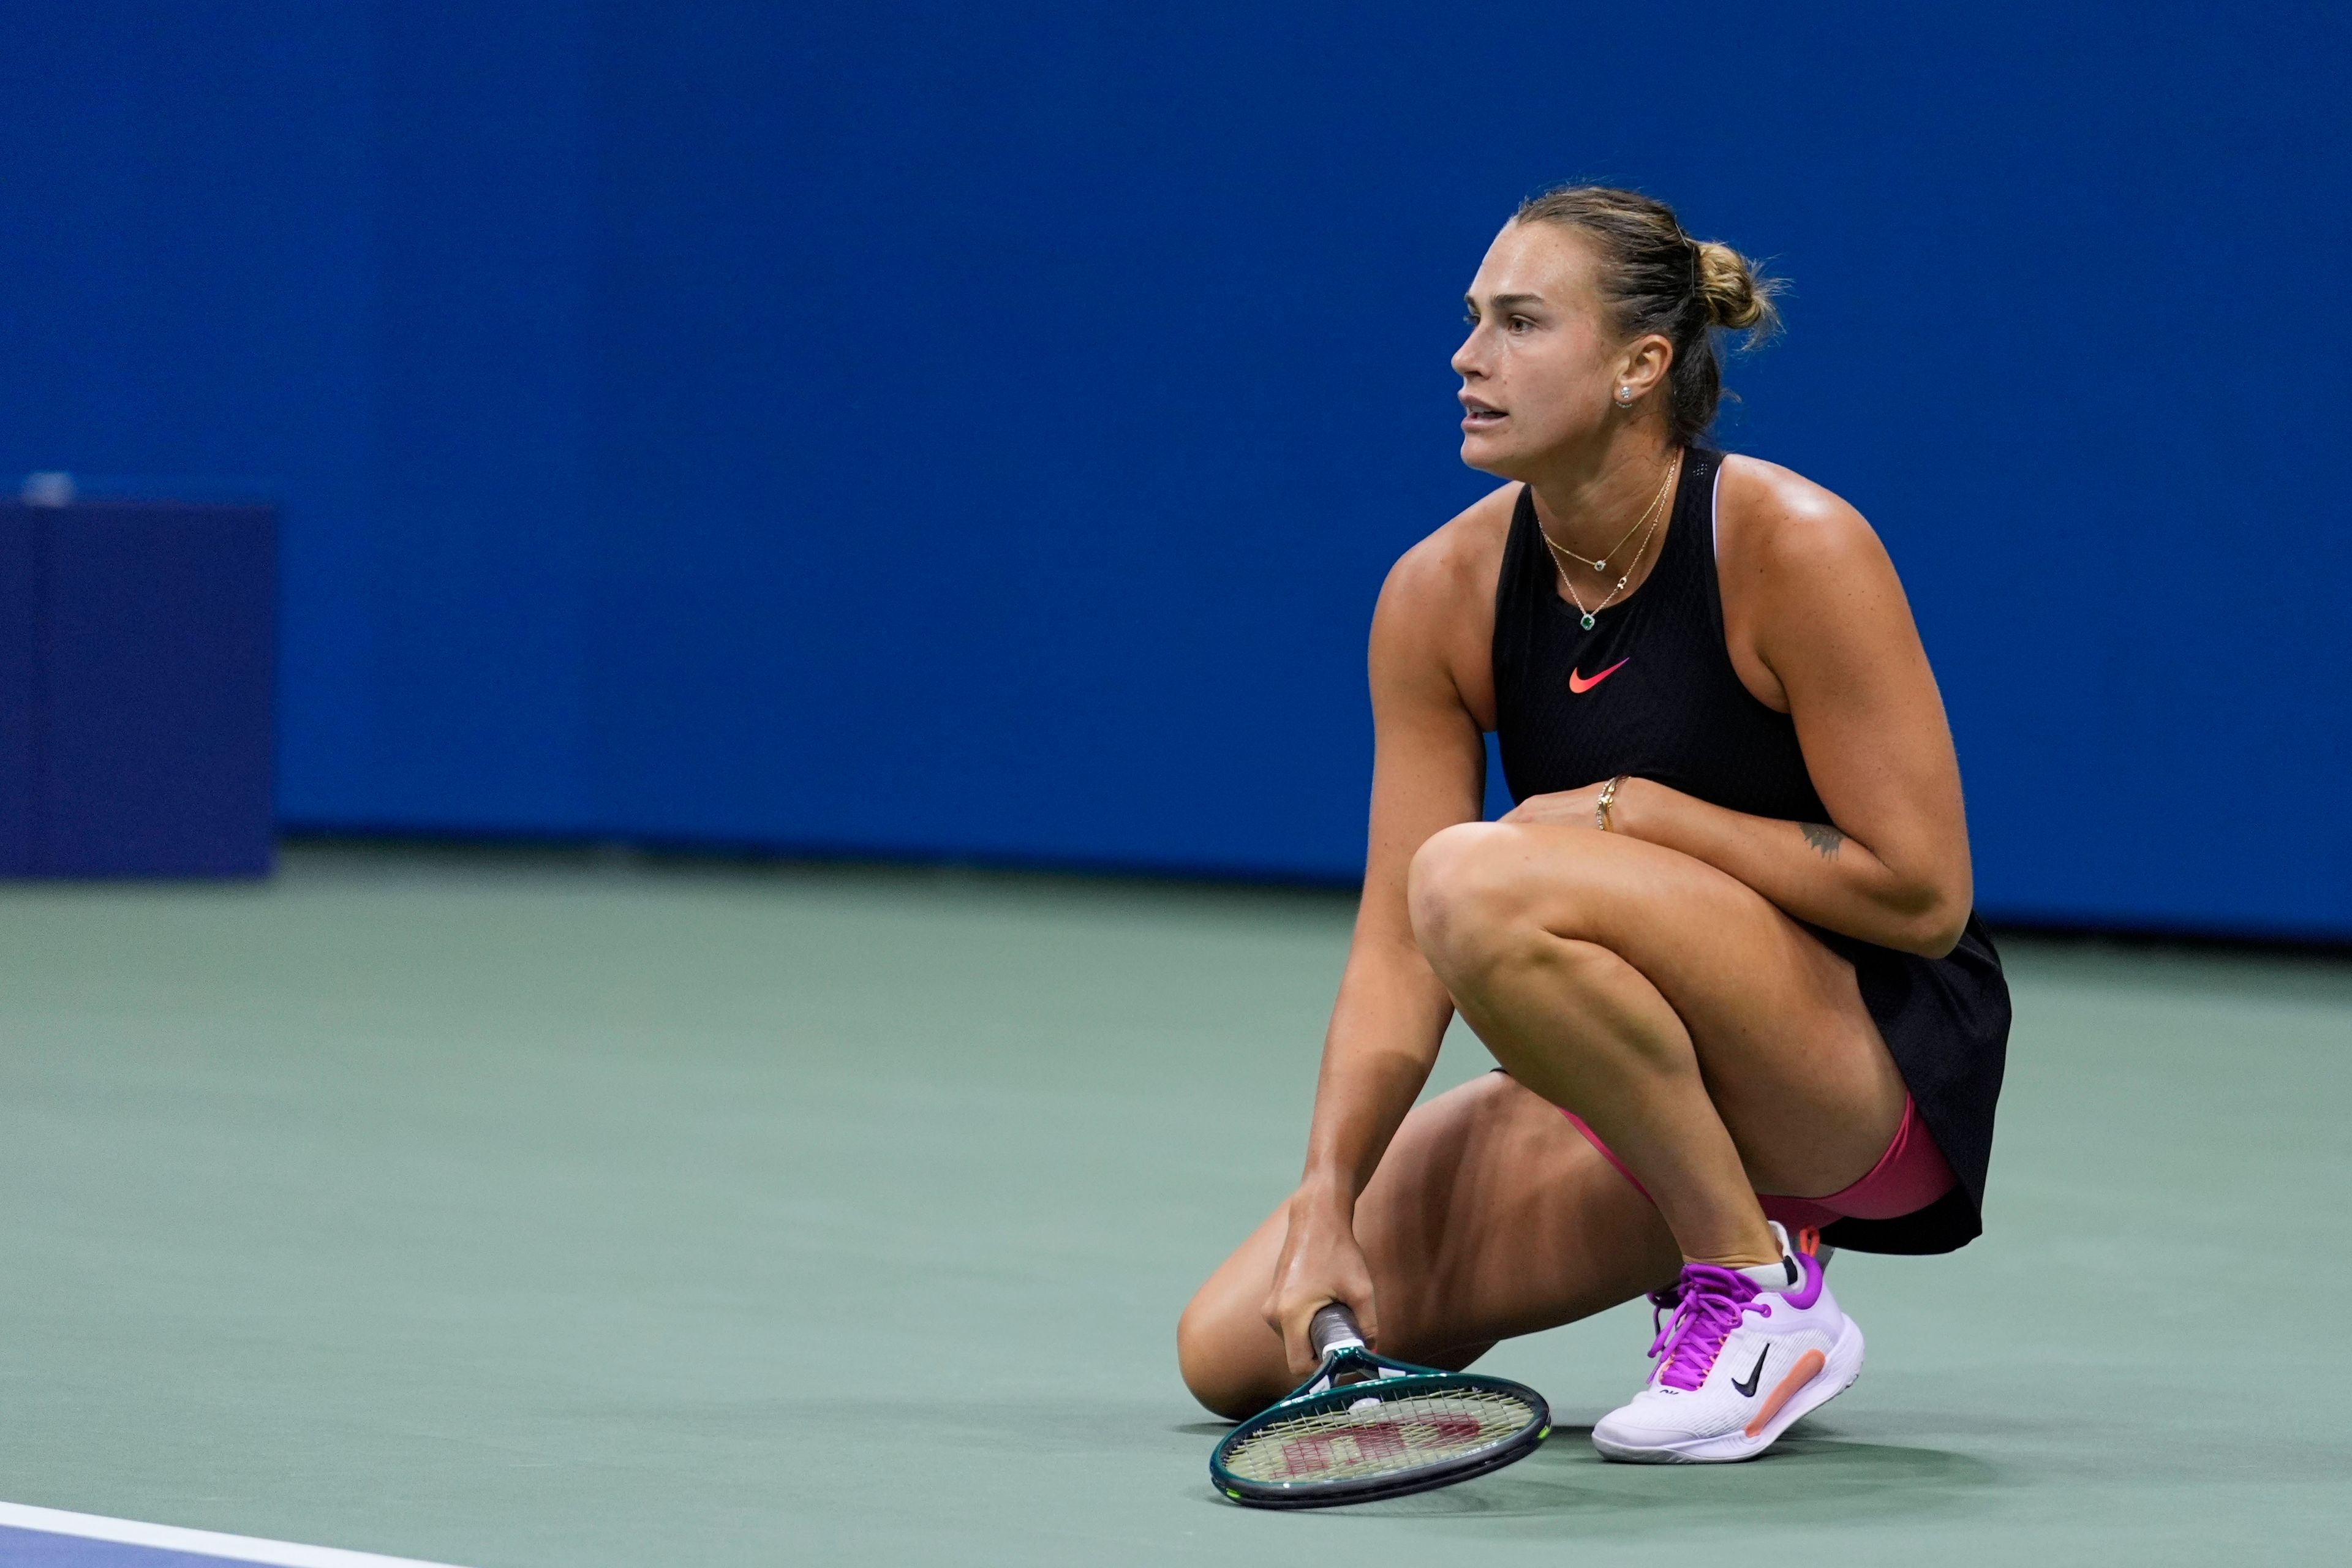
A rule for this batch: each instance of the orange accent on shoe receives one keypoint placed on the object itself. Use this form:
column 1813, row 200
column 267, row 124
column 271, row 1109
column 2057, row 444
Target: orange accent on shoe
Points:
column 1809, row 1240
column 1809, row 1367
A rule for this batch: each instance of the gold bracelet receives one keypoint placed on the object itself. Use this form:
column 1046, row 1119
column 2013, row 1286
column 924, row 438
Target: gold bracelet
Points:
column 1608, row 798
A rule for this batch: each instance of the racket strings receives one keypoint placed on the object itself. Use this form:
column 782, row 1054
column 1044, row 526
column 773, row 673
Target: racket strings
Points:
column 1383, row 1438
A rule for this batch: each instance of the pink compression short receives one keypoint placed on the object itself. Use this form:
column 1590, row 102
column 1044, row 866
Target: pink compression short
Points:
column 1909, row 1176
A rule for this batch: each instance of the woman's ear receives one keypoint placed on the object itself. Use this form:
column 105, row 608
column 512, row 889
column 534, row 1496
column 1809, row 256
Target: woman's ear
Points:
column 1644, row 365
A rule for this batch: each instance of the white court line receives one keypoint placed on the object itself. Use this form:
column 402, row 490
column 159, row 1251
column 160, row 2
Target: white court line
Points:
column 197, row 1542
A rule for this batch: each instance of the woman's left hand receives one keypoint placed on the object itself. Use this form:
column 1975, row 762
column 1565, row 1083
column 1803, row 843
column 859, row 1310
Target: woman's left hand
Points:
column 1572, row 808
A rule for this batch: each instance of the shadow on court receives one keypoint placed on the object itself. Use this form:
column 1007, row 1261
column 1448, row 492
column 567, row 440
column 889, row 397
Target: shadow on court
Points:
column 1567, row 1480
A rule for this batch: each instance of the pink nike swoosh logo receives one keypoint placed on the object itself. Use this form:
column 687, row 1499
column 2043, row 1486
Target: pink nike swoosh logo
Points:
column 1577, row 684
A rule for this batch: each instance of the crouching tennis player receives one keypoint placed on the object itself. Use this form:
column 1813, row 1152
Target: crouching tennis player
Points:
column 1723, row 950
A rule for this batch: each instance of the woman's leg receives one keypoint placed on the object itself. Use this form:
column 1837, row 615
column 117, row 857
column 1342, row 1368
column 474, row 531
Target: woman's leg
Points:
column 1489, row 1216
column 1712, row 1042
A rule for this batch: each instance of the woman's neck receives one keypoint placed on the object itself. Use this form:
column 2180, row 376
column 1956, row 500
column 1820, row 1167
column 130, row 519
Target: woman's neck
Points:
column 1586, row 500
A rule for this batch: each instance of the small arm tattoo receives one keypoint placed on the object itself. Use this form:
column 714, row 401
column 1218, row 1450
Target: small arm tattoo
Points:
column 1823, row 837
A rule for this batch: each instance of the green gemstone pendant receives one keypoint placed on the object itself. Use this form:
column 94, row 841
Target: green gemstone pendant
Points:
column 1588, row 622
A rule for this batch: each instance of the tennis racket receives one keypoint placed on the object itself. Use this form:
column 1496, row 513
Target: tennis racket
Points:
column 1365, row 1427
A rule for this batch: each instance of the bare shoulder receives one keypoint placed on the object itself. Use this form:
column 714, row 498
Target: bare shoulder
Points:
column 1773, row 522
column 1802, row 572
column 1436, row 615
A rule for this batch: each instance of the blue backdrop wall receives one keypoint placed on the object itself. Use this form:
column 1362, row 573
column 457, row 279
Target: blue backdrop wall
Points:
column 934, row 430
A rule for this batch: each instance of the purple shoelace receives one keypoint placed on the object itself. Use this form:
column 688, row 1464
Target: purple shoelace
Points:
column 1708, row 1304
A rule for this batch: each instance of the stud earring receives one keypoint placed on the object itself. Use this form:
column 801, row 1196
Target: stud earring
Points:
column 1625, row 397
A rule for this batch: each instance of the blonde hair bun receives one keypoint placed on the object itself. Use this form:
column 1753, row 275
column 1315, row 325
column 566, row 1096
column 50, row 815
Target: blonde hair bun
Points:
column 1736, row 296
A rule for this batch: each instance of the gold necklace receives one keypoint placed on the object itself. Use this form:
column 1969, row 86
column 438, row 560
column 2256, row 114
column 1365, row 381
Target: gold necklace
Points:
column 1634, row 566
column 1603, row 565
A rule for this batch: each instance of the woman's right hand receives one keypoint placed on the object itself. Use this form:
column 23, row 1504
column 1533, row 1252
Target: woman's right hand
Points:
column 1320, row 1263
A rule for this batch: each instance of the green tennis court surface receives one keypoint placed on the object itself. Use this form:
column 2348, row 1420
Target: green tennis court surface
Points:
column 537, row 1210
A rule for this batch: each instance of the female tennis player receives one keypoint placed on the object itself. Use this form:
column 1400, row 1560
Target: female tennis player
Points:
column 1723, row 950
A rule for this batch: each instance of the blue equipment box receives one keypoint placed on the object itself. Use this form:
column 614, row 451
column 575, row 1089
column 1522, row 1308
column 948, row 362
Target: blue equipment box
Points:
column 138, row 643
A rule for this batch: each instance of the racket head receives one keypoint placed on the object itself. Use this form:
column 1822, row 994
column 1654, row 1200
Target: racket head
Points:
column 1404, row 1430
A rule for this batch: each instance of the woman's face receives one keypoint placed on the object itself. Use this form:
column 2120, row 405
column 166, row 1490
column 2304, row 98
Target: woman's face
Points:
column 1542, row 362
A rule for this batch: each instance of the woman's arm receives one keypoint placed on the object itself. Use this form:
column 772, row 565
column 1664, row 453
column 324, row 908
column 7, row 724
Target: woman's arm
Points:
column 1392, row 1013
column 1820, row 602
column 1813, row 590
column 1811, row 869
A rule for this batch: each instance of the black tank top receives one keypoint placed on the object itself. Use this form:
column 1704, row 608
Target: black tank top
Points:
column 1650, row 691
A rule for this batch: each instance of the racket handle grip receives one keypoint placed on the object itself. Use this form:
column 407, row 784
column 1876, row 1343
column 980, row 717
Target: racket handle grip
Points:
column 1331, row 1327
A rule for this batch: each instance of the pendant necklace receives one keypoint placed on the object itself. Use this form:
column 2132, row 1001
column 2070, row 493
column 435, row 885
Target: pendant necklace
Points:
column 1603, row 565
column 1650, row 515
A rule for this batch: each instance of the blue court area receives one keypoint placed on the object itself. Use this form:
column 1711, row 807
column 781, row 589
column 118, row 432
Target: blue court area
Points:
column 524, row 1210
column 49, row 1538
column 49, row 1549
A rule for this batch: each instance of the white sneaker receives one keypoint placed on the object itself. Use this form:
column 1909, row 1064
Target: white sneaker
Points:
column 1748, row 1351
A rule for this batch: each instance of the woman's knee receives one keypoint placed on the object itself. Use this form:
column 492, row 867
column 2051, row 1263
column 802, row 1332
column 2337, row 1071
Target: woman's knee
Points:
column 1450, row 891
column 1472, row 899
column 1230, row 1360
